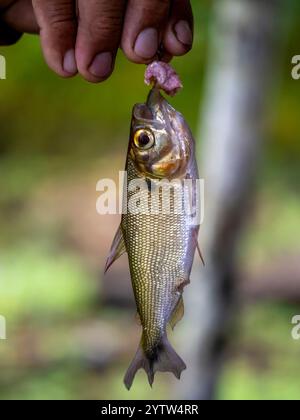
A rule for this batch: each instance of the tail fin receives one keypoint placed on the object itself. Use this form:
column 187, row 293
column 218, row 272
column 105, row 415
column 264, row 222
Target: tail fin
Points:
column 164, row 359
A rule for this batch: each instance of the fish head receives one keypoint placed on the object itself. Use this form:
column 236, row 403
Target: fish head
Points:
column 161, row 143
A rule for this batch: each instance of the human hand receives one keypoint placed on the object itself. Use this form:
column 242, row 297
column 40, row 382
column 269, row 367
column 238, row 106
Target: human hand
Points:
column 84, row 35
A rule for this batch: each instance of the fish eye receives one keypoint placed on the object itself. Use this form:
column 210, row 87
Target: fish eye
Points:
column 143, row 139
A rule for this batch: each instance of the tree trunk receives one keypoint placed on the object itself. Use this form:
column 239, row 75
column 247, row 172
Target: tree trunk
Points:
column 238, row 86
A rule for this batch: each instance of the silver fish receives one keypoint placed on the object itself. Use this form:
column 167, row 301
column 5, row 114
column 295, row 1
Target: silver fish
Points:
column 160, row 245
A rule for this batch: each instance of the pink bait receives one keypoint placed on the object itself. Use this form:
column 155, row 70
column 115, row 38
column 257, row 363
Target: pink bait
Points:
column 163, row 76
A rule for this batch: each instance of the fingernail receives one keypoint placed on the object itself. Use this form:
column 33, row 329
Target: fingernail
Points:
column 101, row 66
column 70, row 62
column 146, row 44
column 183, row 32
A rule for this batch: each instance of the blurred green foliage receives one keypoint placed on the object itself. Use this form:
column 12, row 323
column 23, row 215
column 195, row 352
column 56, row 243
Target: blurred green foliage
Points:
column 40, row 282
column 262, row 365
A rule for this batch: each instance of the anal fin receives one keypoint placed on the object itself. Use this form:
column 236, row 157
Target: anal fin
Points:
column 177, row 314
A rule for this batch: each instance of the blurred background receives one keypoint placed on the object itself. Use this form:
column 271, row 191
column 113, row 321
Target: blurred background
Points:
column 71, row 332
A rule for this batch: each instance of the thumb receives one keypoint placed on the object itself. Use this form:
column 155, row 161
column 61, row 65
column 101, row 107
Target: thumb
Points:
column 19, row 16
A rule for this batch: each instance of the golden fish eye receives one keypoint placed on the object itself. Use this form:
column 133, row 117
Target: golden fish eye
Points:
column 143, row 139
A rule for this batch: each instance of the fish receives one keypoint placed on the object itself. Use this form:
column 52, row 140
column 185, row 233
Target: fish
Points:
column 160, row 245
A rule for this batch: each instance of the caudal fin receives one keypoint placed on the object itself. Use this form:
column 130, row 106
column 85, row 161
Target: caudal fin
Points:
column 164, row 359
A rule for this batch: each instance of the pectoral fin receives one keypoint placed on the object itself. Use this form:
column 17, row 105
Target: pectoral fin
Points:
column 200, row 253
column 117, row 249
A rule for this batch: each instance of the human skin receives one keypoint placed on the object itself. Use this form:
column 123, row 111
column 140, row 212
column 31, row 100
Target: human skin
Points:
column 84, row 36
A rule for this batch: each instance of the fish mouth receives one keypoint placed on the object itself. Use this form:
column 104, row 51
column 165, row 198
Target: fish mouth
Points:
column 153, row 110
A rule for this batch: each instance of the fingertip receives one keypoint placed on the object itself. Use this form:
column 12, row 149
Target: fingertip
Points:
column 178, row 38
column 100, row 68
column 142, row 32
column 60, row 63
column 146, row 44
column 184, row 33
column 143, row 49
column 134, row 58
column 179, row 33
column 69, row 63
